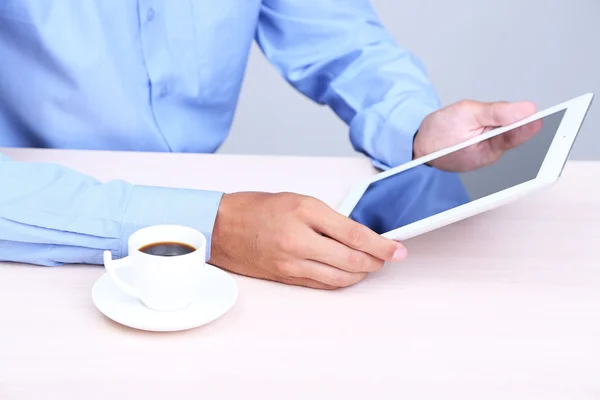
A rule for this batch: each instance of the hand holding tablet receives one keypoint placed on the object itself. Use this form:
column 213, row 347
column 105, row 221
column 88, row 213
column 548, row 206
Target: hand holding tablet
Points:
column 468, row 119
column 456, row 182
column 300, row 240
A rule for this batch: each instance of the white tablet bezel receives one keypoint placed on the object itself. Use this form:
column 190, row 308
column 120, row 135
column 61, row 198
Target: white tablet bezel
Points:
column 550, row 171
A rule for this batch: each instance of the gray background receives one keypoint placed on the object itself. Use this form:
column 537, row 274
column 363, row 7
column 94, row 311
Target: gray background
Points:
column 546, row 51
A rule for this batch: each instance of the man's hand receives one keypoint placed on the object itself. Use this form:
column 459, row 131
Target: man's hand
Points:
column 466, row 119
column 297, row 240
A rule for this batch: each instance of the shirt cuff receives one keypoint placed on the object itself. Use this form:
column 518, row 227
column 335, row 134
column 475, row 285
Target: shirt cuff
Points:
column 149, row 205
column 394, row 143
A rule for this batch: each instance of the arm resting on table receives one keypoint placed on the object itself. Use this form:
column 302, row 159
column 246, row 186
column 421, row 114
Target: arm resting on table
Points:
column 339, row 54
column 51, row 215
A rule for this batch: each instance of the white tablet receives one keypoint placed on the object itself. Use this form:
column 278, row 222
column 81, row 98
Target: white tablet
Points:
column 415, row 198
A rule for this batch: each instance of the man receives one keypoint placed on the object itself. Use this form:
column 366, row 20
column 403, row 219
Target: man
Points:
column 158, row 75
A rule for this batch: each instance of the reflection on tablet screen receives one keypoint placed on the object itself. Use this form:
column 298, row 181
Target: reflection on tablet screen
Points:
column 423, row 191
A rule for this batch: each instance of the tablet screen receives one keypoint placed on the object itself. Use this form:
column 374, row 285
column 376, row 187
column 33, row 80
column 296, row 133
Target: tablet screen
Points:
column 423, row 191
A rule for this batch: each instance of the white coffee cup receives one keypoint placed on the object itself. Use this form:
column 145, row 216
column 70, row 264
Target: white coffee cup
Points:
column 162, row 283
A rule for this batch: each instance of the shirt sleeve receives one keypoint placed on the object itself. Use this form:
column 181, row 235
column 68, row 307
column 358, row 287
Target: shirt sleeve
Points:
column 51, row 215
column 339, row 54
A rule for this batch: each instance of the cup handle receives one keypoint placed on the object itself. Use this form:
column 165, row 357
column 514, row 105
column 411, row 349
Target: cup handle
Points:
column 112, row 266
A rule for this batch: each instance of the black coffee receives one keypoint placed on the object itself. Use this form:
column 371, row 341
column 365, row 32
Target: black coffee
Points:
column 167, row 249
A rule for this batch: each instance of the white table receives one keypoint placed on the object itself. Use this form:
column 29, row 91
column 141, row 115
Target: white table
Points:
column 504, row 305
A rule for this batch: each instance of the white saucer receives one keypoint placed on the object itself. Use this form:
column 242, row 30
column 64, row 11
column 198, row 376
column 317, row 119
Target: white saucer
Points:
column 216, row 294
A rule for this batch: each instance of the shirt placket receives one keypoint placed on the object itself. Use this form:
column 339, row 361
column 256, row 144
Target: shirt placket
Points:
column 157, row 59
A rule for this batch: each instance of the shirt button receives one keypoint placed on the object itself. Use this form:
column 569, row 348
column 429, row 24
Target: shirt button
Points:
column 150, row 14
column 164, row 91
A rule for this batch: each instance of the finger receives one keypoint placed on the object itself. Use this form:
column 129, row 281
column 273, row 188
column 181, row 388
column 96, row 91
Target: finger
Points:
column 501, row 113
column 282, row 279
column 326, row 274
column 516, row 137
column 357, row 236
column 338, row 255
column 305, row 282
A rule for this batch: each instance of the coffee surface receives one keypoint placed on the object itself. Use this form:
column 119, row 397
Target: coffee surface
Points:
column 167, row 249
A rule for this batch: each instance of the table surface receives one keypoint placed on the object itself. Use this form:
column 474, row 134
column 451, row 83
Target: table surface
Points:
column 503, row 305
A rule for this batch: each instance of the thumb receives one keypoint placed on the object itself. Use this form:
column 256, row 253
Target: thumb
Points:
column 502, row 113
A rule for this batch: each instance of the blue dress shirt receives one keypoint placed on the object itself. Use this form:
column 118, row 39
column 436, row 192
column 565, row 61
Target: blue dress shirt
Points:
column 165, row 75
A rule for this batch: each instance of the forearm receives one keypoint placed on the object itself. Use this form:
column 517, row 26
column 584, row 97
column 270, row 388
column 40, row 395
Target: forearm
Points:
column 339, row 54
column 51, row 215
